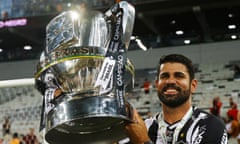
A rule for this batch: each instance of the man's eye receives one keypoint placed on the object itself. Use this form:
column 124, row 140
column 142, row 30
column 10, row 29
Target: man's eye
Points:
column 163, row 76
column 179, row 75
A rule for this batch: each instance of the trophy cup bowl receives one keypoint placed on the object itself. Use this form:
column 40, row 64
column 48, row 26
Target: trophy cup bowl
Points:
column 88, row 117
column 82, row 114
column 75, row 52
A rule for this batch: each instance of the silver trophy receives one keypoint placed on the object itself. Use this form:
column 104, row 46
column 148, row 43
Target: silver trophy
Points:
column 83, row 74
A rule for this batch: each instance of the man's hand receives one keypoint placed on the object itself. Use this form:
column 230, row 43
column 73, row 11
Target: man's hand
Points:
column 57, row 92
column 137, row 131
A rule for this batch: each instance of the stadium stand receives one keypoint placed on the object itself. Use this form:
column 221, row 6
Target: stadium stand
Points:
column 23, row 103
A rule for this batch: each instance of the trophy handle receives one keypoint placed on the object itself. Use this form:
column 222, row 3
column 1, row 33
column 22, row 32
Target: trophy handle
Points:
column 127, row 21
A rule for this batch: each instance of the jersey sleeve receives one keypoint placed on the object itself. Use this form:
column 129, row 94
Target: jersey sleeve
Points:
column 212, row 130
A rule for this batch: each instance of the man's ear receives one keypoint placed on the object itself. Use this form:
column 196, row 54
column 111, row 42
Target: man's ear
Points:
column 194, row 85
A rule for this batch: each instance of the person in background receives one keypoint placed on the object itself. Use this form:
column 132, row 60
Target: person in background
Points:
column 236, row 69
column 233, row 112
column 179, row 121
column 238, row 117
column 232, row 127
column 6, row 126
column 149, row 114
column 15, row 139
column 216, row 107
column 30, row 138
column 146, row 86
column 231, row 101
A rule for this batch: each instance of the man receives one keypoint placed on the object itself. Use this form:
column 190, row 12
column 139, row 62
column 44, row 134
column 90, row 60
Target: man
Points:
column 6, row 127
column 179, row 122
column 31, row 138
column 146, row 86
column 216, row 106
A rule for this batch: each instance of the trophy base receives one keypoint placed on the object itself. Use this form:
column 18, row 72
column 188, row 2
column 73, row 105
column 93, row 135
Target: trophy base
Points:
column 90, row 120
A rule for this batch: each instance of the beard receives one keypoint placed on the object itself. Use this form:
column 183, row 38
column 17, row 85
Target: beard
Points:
column 173, row 100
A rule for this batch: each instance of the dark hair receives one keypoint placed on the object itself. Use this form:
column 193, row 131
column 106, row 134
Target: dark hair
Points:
column 15, row 135
column 179, row 59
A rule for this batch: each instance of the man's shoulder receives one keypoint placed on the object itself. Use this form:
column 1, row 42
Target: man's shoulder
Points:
column 207, row 118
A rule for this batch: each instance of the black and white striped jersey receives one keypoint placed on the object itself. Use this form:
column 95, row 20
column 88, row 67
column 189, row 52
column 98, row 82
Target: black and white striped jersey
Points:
column 199, row 127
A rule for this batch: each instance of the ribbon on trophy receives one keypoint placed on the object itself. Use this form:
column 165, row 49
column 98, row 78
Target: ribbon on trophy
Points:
column 115, row 58
column 50, row 88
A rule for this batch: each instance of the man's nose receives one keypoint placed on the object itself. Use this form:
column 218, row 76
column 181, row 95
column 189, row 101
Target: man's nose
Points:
column 171, row 79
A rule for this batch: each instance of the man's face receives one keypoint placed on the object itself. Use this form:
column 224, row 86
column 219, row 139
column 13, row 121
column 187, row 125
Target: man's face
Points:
column 173, row 85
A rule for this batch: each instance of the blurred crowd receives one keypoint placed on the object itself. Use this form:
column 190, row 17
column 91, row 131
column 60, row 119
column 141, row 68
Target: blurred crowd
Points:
column 9, row 137
column 231, row 118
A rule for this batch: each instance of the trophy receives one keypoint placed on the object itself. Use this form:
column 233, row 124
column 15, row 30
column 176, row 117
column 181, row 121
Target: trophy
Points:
column 83, row 74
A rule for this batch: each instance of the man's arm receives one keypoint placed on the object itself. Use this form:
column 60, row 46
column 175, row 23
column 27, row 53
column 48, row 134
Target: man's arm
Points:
column 137, row 131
